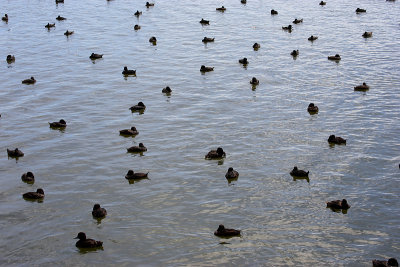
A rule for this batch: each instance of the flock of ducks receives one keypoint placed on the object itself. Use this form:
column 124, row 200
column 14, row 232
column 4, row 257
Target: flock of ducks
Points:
column 218, row 154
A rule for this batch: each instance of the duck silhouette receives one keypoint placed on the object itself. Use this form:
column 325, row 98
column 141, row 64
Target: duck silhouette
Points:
column 336, row 140
column 216, row 154
column 225, row 232
column 84, row 242
column 98, row 212
column 136, row 175
column 15, row 153
column 28, row 177
column 137, row 149
column 299, row 173
column 338, row 204
column 129, row 132
column 39, row 194
column 58, row 124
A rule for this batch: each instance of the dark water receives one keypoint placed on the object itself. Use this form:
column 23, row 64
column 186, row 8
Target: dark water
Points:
column 169, row 219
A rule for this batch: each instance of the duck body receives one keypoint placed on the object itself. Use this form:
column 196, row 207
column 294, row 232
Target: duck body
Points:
column 149, row 4
column 39, row 194
column 10, row 59
column 60, row 18
column 84, row 242
column 139, row 107
column 224, row 232
column 322, row 3
column 58, row 124
column 94, row 56
column 312, row 108
column 299, row 173
column 216, row 154
column 295, row 53
column 136, row 27
column 243, row 61
column 137, row 149
column 312, row 38
column 48, row 26
column 243, row 1
column 129, row 132
column 336, row 140
column 362, row 87
column 222, row 9
column 287, row 28
column 392, row 262
column 28, row 177
column 5, row 18
column 153, row 40
column 29, row 81
column 59, row 1
column 254, row 81
column 297, row 21
column 367, row 34
column 138, row 13
column 338, row 204
column 98, row 212
column 207, row 40
column 231, row 174
column 127, row 72
column 206, row 69
column 131, row 175
column 335, row 57
column 204, row 22
column 360, row 10
column 274, row 12
column 166, row 90
column 68, row 33
column 15, row 153
column 256, row 46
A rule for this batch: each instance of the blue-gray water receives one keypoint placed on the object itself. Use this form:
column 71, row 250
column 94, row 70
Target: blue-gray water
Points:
column 169, row 219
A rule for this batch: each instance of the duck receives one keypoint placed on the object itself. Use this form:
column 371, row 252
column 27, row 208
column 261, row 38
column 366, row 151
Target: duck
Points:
column 84, row 242
column 129, row 132
column 39, row 194
column 59, row 1
column 392, row 262
column 222, row 9
column 322, row 3
column 299, row 173
column 166, row 90
column 231, row 174
column 244, row 61
column 5, row 18
column 297, row 21
column 29, row 81
column 206, row 69
column 295, row 53
column 367, row 34
column 153, row 40
column 138, row 13
column 360, row 10
column 15, row 153
column 60, row 18
column 94, row 56
column 338, row 204
column 362, row 87
column 136, row 27
column 28, row 177
column 216, row 154
column 312, row 38
column 335, row 57
column 287, row 28
column 256, row 46
column 225, row 232
column 207, row 40
column 204, row 22
column 149, row 4
column 254, row 81
column 128, row 72
column 10, row 59
column 48, row 26
column 68, row 33
column 137, row 149
column 336, row 139
column 58, row 124
column 312, row 108
column 98, row 212
column 274, row 12
column 136, row 175
column 243, row 1
column 139, row 107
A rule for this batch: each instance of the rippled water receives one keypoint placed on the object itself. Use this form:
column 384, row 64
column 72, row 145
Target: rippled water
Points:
column 170, row 218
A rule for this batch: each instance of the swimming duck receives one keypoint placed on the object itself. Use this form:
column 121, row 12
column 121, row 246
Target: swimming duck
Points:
column 58, row 124
column 10, row 59
column 256, row 46
column 299, row 173
column 28, row 177
column 360, row 10
column 338, row 204
column 244, row 61
column 224, row 232
column 153, row 40
column 206, row 69
column 166, row 90
column 295, row 53
column 129, row 132
column 203, row 21
column 94, row 56
column 98, row 212
column 5, row 18
column 336, row 140
column 392, row 262
column 222, row 8
column 362, row 87
column 231, row 174
column 59, row 1
column 137, row 149
column 149, row 4
column 367, row 34
column 254, row 81
column 60, row 18
column 68, row 33
column 312, row 38
column 29, row 81
column 84, row 242
column 15, row 153
column 216, row 154
column 297, row 21
column 136, row 27
column 312, row 108
column 322, row 3
column 136, row 175
column 274, row 12
column 139, row 107
column 243, row 1
column 48, row 26
column 335, row 57
column 39, row 194
column 207, row 39
column 138, row 13
column 128, row 72
column 287, row 28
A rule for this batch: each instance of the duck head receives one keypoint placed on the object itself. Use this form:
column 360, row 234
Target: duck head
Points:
column 81, row 236
column 141, row 145
column 221, row 227
column 230, row 169
column 30, row 174
column 332, row 138
column 40, row 191
column 130, row 172
column 392, row 262
column 125, row 68
column 220, row 151
column 133, row 128
column 311, row 105
column 96, row 207
column 63, row 121
column 140, row 104
column 295, row 168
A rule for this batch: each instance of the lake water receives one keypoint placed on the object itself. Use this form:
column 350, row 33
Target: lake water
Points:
column 169, row 219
